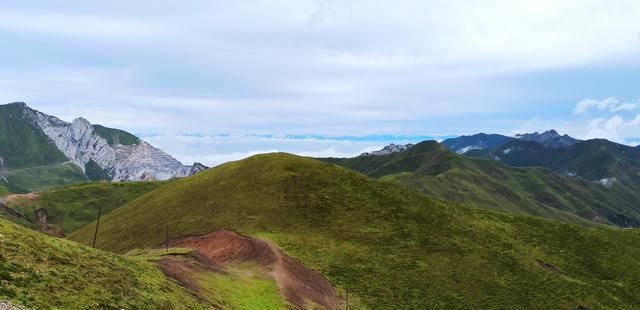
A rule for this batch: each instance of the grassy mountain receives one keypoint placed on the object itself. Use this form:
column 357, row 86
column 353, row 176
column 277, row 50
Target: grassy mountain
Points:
column 42, row 272
column 432, row 169
column 22, row 144
column 115, row 136
column 71, row 207
column 29, row 161
column 31, row 179
column 479, row 141
column 612, row 165
column 392, row 247
column 592, row 159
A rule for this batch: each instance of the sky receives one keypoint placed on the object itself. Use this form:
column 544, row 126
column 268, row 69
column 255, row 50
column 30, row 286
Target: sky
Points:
column 213, row 81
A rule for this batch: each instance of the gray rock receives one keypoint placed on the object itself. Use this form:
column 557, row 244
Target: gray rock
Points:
column 197, row 168
column 79, row 142
column 389, row 149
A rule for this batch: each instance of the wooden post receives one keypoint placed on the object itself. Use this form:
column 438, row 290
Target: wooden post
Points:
column 167, row 238
column 95, row 235
column 346, row 293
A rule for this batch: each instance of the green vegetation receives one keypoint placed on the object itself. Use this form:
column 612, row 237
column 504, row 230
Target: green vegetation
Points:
column 76, row 205
column 431, row 169
column 4, row 190
column 95, row 172
column 115, row 136
column 22, row 144
column 42, row 272
column 239, row 286
column 392, row 247
column 43, row 177
column 243, row 288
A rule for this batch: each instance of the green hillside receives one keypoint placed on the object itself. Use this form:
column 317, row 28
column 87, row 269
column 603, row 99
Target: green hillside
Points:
column 22, row 144
column 31, row 179
column 42, row 272
column 392, row 247
column 115, row 136
column 431, row 169
column 71, row 207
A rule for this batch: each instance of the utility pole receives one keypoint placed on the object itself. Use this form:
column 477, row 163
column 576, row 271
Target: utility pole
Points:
column 346, row 294
column 95, row 235
column 167, row 238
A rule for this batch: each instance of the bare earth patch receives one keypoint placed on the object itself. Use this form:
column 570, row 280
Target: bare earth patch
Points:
column 300, row 286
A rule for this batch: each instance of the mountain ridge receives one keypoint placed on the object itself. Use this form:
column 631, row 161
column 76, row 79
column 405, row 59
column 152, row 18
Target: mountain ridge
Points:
column 100, row 152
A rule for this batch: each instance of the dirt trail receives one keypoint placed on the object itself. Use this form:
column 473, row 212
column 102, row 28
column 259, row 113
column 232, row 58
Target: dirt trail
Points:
column 299, row 285
column 9, row 199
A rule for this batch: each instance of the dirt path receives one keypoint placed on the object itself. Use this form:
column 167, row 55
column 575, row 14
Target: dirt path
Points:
column 301, row 287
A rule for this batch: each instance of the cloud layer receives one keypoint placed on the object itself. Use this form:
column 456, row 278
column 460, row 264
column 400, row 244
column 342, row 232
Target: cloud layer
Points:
column 322, row 67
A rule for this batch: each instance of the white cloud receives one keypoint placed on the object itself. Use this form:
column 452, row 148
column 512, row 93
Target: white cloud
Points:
column 355, row 67
column 615, row 129
column 611, row 104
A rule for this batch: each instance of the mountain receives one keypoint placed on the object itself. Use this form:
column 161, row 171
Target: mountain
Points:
column 197, row 168
column 479, row 141
column 480, row 144
column 431, row 169
column 41, row 272
column 30, row 139
column 390, row 246
column 549, row 138
column 389, row 149
column 595, row 160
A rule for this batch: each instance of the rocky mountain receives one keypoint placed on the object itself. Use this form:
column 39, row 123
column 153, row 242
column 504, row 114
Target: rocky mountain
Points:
column 197, row 168
column 479, row 141
column 550, row 138
column 98, row 151
column 389, row 149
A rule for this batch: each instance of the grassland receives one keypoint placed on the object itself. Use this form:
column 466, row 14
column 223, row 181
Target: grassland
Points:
column 392, row 247
column 73, row 206
column 43, row 177
column 42, row 272
column 115, row 136
column 431, row 169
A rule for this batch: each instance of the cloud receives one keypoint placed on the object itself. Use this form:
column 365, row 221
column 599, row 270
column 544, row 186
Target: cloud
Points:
column 615, row 129
column 326, row 67
column 611, row 104
column 216, row 149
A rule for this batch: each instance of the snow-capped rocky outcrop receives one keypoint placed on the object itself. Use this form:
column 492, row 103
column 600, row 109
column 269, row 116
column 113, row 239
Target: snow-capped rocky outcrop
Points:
column 79, row 142
column 389, row 149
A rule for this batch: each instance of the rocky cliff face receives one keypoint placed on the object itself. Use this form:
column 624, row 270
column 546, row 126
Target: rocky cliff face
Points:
column 389, row 149
column 79, row 142
column 197, row 168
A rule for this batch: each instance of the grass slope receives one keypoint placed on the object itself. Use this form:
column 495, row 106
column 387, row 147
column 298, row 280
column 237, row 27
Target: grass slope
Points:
column 42, row 272
column 22, row 144
column 43, row 177
column 76, row 205
column 392, row 247
column 431, row 169
column 115, row 136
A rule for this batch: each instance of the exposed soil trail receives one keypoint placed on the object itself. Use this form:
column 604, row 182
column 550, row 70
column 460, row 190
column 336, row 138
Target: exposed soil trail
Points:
column 301, row 287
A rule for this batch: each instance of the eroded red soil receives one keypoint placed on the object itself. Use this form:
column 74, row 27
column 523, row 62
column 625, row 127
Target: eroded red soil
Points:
column 298, row 284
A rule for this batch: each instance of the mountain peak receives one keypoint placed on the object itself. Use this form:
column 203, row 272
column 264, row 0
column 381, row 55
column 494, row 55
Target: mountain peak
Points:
column 549, row 138
column 389, row 149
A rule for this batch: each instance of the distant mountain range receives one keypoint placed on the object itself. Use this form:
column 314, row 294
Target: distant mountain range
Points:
column 543, row 174
column 39, row 150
